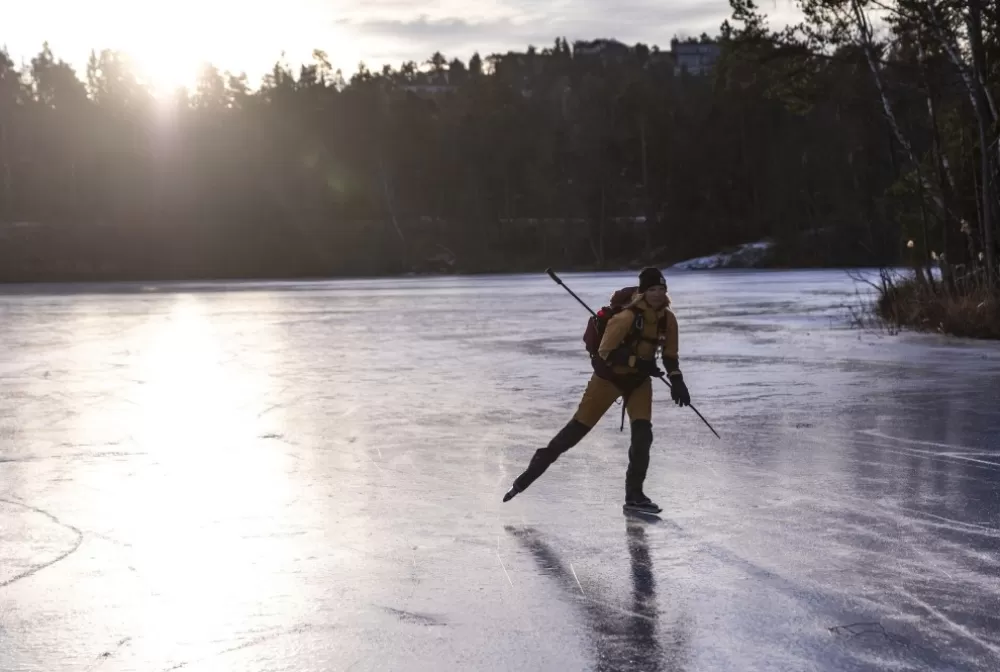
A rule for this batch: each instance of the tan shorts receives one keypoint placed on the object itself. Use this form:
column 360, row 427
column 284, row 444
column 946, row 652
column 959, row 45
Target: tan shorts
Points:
column 601, row 394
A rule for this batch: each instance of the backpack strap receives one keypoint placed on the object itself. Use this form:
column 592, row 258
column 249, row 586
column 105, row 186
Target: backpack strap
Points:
column 635, row 333
column 661, row 330
column 638, row 322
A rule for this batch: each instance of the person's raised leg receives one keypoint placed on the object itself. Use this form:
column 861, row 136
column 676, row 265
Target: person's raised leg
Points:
column 596, row 401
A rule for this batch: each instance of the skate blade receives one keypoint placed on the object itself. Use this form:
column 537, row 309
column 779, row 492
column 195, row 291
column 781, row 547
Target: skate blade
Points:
column 641, row 511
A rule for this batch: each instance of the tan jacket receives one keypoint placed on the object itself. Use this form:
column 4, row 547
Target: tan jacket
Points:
column 618, row 327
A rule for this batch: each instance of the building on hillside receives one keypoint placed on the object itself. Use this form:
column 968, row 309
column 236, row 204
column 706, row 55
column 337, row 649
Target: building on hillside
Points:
column 695, row 58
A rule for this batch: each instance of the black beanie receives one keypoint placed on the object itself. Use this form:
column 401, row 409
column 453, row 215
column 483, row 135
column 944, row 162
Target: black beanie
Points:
column 650, row 277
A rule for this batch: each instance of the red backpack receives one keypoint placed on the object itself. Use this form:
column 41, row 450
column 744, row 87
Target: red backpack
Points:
column 596, row 325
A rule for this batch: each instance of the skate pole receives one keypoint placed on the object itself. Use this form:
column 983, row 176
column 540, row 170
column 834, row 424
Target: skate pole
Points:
column 558, row 281
column 552, row 274
column 696, row 411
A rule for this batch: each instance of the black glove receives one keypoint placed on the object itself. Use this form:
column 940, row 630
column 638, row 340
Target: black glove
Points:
column 679, row 391
column 601, row 367
column 648, row 367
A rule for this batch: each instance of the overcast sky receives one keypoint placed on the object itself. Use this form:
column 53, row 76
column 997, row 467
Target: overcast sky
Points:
column 172, row 37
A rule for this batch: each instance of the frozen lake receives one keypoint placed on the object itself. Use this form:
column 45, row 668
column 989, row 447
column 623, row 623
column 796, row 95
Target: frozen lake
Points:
column 308, row 477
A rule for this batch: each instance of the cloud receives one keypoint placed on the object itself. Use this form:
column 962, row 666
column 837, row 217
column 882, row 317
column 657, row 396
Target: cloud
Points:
column 251, row 37
column 423, row 28
column 388, row 30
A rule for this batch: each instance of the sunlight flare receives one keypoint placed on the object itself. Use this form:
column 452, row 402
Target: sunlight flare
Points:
column 169, row 45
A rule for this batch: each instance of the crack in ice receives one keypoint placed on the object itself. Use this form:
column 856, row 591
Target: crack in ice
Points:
column 62, row 556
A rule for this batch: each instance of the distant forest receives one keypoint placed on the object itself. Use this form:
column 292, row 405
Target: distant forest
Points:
column 840, row 142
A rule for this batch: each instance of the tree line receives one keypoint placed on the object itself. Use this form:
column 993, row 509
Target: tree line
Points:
column 931, row 68
column 839, row 142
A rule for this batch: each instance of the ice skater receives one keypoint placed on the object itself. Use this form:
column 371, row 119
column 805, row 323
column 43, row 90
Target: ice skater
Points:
column 623, row 340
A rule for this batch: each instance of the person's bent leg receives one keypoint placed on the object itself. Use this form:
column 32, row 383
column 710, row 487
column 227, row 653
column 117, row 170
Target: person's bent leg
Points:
column 596, row 401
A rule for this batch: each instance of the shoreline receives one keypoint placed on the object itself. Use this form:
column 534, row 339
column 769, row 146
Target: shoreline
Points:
column 136, row 285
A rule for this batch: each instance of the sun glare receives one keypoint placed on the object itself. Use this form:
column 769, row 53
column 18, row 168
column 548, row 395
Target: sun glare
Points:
column 172, row 58
column 167, row 44
column 165, row 68
column 164, row 72
column 167, row 47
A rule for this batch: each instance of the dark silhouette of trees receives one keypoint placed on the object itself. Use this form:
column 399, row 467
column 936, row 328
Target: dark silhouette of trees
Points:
column 839, row 144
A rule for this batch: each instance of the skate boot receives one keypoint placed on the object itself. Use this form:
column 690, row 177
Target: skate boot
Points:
column 511, row 493
column 640, row 503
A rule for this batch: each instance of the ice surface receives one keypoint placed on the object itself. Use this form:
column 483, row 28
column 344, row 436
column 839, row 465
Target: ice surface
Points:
column 308, row 476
